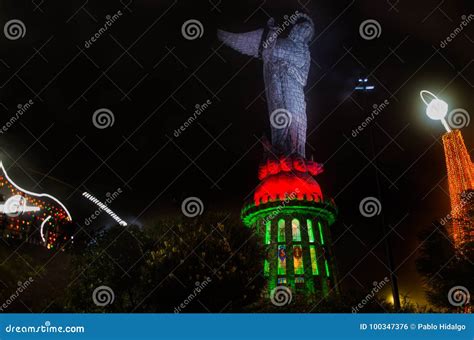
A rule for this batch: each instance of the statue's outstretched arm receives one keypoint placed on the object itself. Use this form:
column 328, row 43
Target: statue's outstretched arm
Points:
column 246, row 43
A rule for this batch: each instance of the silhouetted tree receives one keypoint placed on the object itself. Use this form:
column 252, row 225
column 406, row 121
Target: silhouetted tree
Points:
column 442, row 266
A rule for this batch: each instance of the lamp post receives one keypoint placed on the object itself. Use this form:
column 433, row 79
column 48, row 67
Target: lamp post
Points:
column 365, row 87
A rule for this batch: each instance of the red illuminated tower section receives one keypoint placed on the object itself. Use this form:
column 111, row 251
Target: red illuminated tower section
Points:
column 461, row 183
column 290, row 213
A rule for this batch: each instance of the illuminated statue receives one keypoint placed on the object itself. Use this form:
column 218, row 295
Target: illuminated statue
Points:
column 288, row 210
column 286, row 64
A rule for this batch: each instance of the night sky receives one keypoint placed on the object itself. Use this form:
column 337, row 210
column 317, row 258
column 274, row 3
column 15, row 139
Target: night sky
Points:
column 151, row 78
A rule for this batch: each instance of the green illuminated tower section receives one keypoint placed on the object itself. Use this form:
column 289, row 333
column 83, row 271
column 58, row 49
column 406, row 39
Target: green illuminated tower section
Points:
column 293, row 219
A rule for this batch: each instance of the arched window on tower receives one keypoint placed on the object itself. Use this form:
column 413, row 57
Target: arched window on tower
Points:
column 309, row 225
column 268, row 228
column 281, row 230
column 296, row 230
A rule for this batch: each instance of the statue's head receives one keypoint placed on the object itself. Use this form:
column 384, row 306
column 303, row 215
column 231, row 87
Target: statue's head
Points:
column 302, row 31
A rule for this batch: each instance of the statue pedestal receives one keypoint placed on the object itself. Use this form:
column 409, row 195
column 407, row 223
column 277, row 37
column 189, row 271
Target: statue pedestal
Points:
column 291, row 216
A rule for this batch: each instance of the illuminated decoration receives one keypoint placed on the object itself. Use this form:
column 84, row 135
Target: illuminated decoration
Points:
column 282, row 260
column 104, row 208
column 314, row 262
column 309, row 225
column 34, row 194
column 321, row 233
column 281, row 230
column 266, row 268
column 460, row 172
column 16, row 205
column 287, row 209
column 287, row 196
column 268, row 230
column 461, row 181
column 436, row 108
column 296, row 230
column 42, row 229
column 36, row 218
column 298, row 259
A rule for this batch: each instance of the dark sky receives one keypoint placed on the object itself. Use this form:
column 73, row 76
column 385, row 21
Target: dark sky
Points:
column 151, row 78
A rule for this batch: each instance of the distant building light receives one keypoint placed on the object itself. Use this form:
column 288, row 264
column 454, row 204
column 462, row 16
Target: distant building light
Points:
column 363, row 85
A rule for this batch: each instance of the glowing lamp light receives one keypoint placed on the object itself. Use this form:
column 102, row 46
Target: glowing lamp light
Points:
column 436, row 108
column 104, row 208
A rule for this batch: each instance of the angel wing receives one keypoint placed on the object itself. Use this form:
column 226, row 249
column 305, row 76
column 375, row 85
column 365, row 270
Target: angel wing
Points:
column 246, row 43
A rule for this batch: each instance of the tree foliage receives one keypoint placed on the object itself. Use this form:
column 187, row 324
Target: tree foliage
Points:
column 443, row 267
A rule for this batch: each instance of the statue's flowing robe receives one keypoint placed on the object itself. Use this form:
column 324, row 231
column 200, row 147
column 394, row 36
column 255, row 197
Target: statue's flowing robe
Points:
column 285, row 67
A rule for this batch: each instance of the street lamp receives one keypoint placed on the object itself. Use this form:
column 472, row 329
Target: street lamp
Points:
column 436, row 109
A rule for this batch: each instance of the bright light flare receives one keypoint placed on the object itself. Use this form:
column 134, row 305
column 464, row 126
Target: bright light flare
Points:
column 436, row 108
